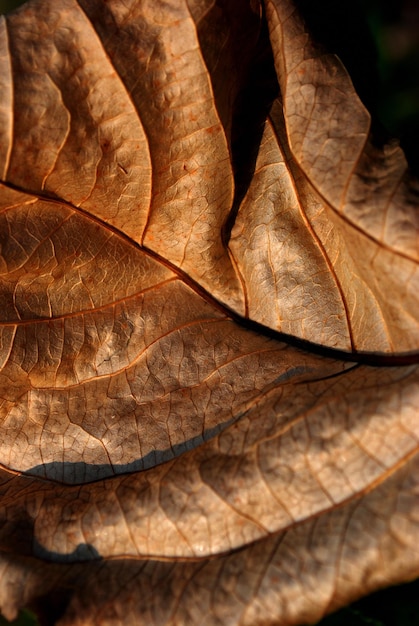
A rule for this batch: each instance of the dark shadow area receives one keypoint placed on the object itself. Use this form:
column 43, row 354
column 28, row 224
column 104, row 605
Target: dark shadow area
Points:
column 81, row 473
column 51, row 607
column 342, row 28
column 18, row 539
column 396, row 606
column 25, row 618
column 83, row 552
column 251, row 109
column 10, row 5
column 236, row 48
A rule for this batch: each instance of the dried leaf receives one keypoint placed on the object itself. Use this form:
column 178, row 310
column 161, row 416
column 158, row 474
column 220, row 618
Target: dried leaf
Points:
column 209, row 331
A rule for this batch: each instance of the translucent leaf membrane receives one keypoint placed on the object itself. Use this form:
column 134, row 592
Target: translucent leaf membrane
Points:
column 329, row 221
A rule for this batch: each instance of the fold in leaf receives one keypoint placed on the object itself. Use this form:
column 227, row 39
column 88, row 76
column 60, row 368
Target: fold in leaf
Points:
column 287, row 578
column 297, row 452
column 158, row 160
column 167, row 238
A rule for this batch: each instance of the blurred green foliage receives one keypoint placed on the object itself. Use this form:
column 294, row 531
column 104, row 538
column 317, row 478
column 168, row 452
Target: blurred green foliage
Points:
column 9, row 5
column 395, row 29
column 25, row 618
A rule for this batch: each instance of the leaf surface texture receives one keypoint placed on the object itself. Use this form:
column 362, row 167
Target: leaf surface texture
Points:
column 208, row 315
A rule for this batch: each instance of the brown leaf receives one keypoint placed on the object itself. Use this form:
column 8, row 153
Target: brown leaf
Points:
column 208, row 288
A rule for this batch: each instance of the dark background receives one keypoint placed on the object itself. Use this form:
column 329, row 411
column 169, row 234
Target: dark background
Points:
column 378, row 42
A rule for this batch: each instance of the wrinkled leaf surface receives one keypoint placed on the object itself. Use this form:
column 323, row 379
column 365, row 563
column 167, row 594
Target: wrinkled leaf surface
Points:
column 209, row 290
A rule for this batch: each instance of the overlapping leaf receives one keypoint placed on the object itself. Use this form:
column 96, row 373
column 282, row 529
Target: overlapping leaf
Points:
column 168, row 455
